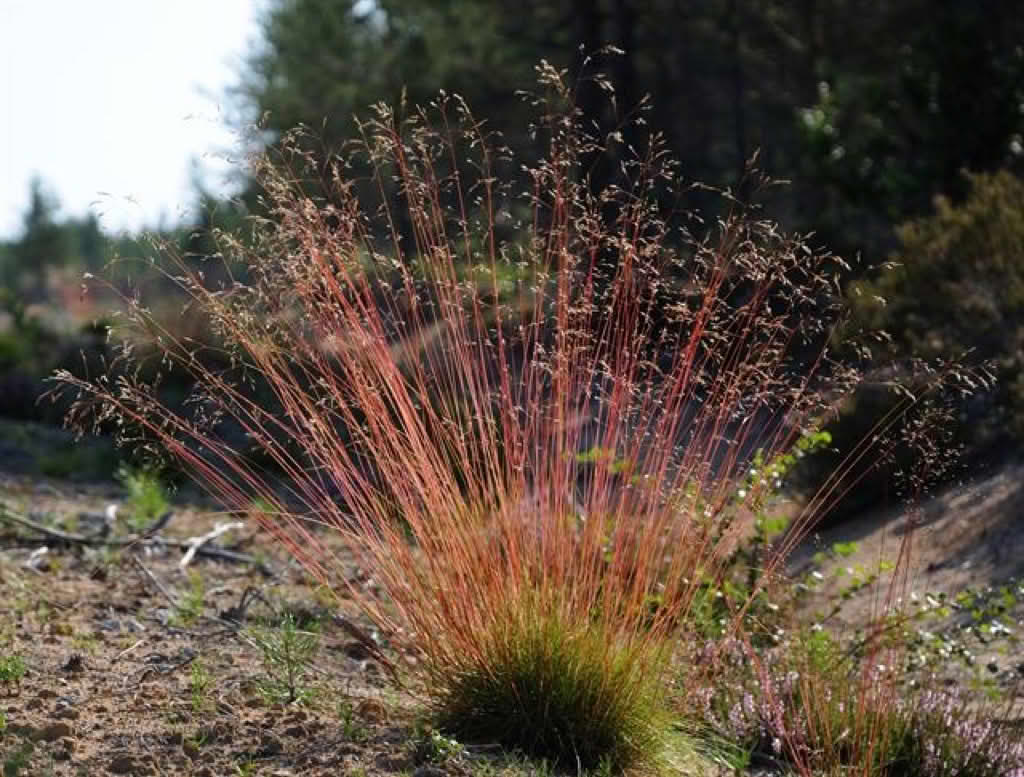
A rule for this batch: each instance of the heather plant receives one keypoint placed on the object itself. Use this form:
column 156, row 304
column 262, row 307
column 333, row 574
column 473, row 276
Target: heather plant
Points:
column 873, row 698
column 815, row 707
column 527, row 407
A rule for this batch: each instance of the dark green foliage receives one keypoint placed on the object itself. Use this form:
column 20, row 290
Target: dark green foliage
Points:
column 958, row 287
column 38, row 272
column 869, row 108
column 324, row 60
column 44, row 243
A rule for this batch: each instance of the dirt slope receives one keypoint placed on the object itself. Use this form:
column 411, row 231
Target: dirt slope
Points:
column 959, row 560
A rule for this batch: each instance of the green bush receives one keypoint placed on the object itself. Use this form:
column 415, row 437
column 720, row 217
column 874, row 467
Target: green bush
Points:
column 957, row 286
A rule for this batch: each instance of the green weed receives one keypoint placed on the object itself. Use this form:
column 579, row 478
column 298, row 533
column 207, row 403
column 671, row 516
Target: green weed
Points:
column 200, row 683
column 12, row 670
column 287, row 651
column 192, row 601
column 352, row 728
column 145, row 498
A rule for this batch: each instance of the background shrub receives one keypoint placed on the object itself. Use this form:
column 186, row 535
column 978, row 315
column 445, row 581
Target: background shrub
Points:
column 957, row 288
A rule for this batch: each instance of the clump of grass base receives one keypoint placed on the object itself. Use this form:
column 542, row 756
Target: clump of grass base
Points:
column 558, row 688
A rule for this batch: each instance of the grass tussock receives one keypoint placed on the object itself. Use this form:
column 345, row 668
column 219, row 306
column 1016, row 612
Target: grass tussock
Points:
column 527, row 408
column 549, row 685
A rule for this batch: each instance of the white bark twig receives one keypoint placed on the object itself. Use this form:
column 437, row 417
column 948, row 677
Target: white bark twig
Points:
column 195, row 543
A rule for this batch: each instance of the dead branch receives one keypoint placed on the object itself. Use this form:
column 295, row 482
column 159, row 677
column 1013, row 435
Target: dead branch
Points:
column 147, row 538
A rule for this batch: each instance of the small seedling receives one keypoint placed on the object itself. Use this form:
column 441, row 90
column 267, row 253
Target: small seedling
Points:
column 146, row 497
column 190, row 607
column 351, row 727
column 197, row 740
column 12, row 669
column 431, row 746
column 287, row 651
column 18, row 760
column 85, row 643
column 200, row 682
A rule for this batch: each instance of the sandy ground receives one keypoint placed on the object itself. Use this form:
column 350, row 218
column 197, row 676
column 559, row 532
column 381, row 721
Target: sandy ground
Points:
column 117, row 681
column 967, row 540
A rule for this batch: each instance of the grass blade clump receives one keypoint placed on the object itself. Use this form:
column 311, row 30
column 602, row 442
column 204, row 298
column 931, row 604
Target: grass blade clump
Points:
column 523, row 405
column 553, row 686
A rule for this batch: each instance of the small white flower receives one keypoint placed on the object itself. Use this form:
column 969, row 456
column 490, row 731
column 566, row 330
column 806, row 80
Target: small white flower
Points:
column 742, row 493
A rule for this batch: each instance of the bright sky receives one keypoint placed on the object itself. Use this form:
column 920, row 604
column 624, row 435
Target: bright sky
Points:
column 114, row 99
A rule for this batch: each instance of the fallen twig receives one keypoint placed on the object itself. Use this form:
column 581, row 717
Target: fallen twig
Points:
column 160, row 586
column 236, row 615
column 55, row 534
column 126, row 651
column 195, row 543
column 157, row 525
column 146, row 539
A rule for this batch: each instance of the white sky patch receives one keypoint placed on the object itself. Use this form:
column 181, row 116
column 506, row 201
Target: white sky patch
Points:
column 108, row 100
